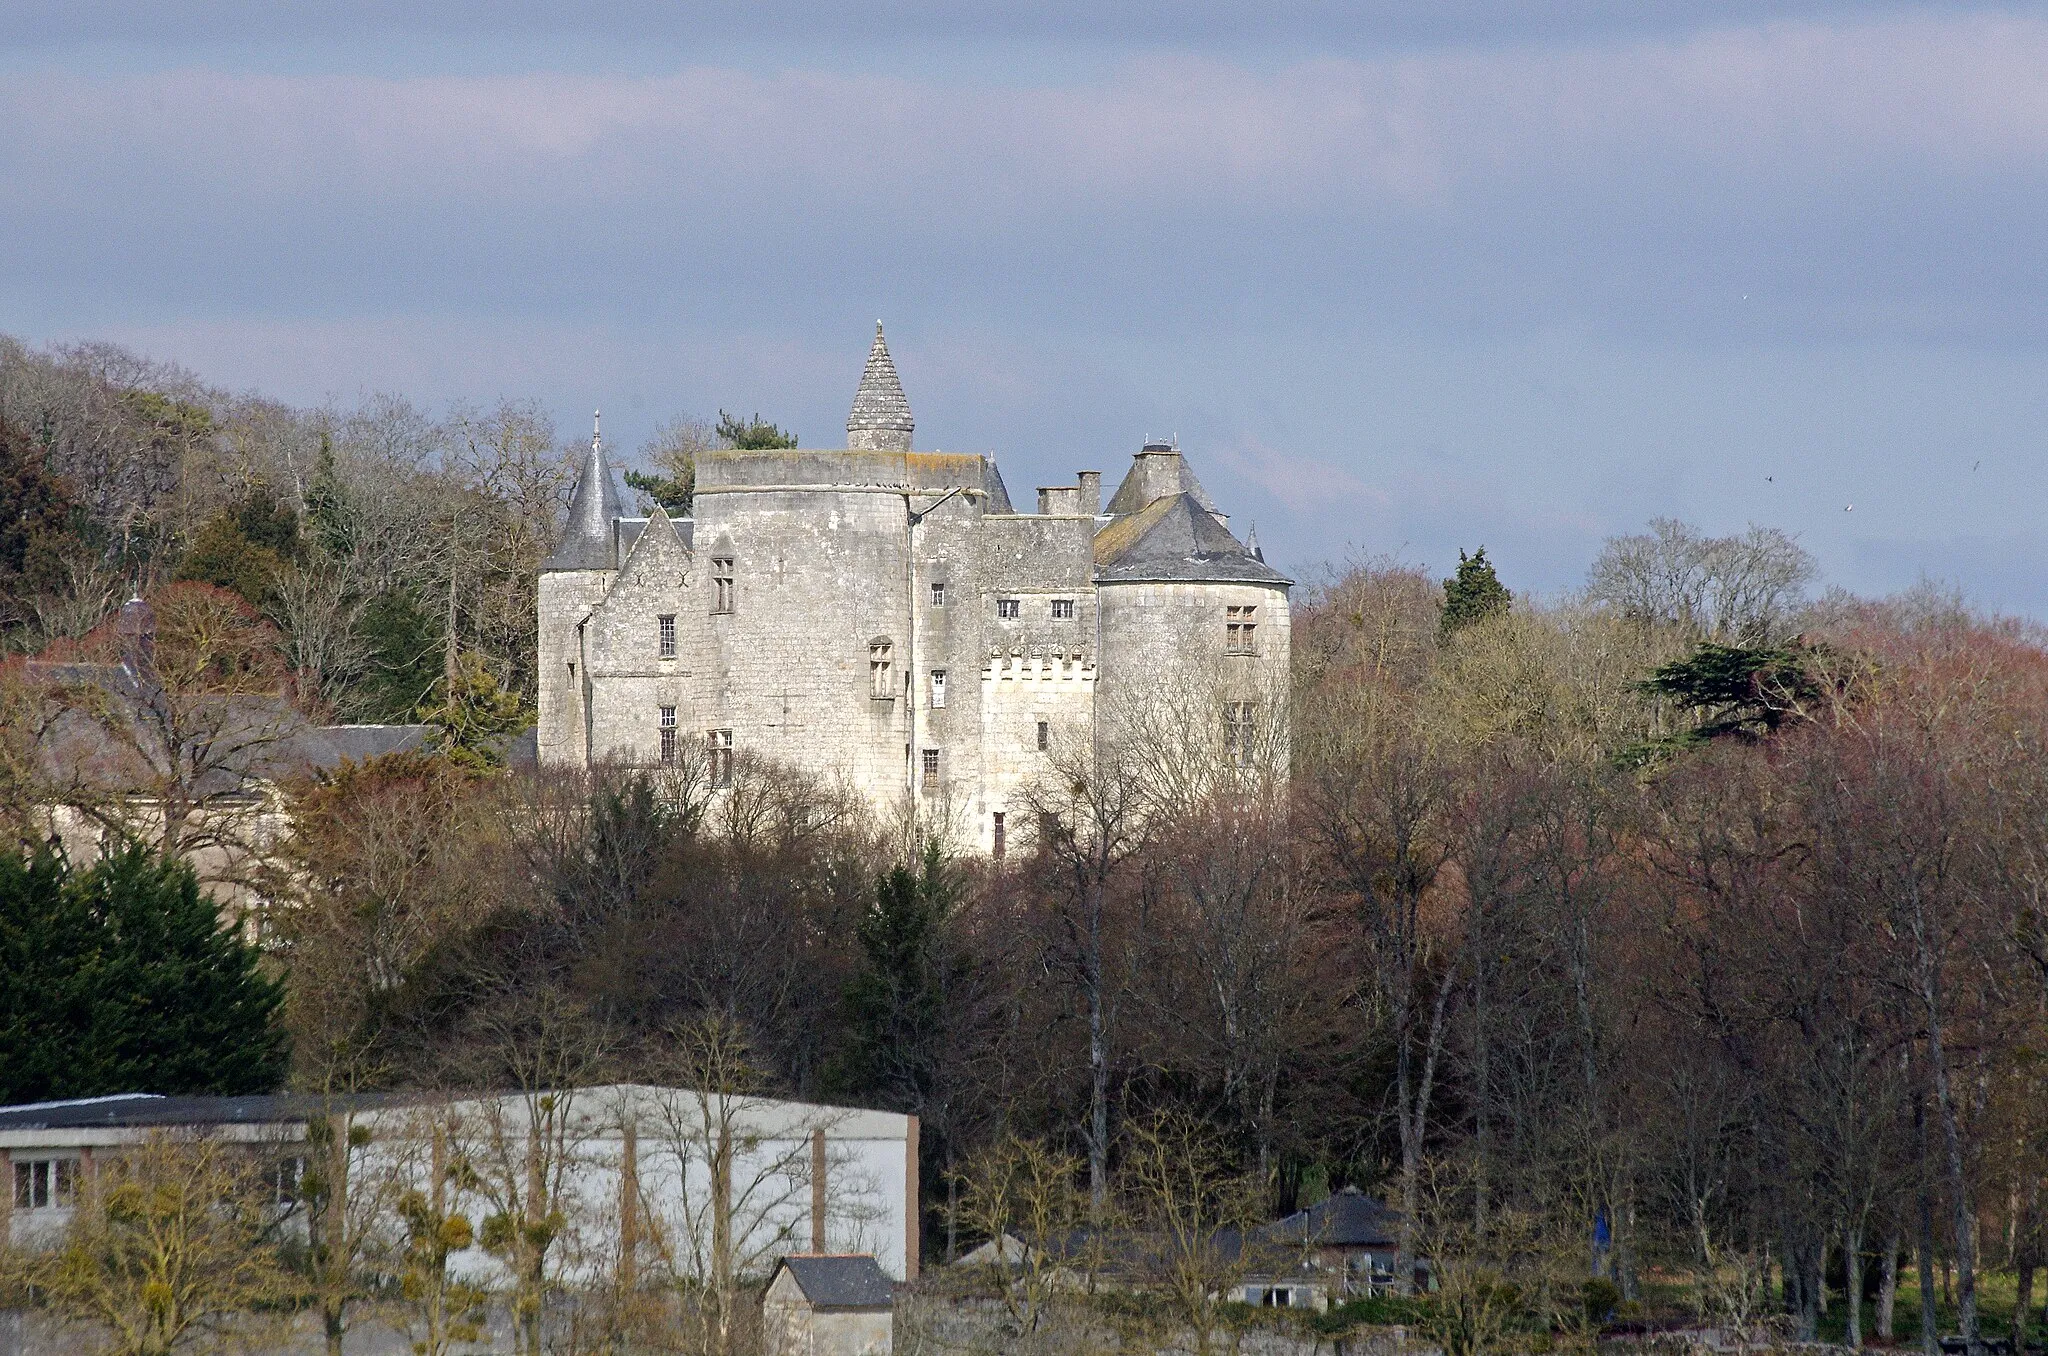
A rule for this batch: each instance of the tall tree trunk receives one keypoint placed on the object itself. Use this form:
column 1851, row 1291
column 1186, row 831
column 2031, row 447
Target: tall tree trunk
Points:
column 1852, row 1283
column 1930, row 1330
column 1098, row 1059
column 1888, row 1285
column 1951, row 1133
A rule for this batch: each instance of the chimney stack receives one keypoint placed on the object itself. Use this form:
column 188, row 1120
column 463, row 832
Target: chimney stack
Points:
column 1091, row 493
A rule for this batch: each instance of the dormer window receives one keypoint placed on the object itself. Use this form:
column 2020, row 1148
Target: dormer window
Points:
column 881, row 670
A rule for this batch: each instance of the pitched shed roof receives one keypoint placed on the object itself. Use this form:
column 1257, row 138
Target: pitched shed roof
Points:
column 1175, row 539
column 1346, row 1219
column 848, row 1281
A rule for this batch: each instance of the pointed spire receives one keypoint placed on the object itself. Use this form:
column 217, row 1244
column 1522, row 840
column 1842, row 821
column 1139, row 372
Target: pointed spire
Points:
column 587, row 535
column 1251, row 543
column 880, row 420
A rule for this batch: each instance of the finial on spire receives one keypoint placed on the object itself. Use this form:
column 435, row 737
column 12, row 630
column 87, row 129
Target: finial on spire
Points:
column 880, row 420
column 596, row 424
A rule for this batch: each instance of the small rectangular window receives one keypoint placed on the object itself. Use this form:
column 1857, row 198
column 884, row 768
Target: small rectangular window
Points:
column 1006, row 609
column 938, row 593
column 938, row 688
column 668, row 734
column 46, row 1184
column 1063, row 609
column 1240, row 630
column 1239, row 733
column 721, row 584
column 881, row 670
column 931, row 768
column 1001, row 836
column 721, row 757
column 668, row 635
column 1044, row 735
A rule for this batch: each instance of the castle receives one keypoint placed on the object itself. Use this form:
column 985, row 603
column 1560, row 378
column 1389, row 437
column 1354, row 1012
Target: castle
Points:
column 888, row 617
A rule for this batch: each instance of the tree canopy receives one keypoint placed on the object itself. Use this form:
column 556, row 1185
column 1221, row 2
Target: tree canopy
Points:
column 122, row 979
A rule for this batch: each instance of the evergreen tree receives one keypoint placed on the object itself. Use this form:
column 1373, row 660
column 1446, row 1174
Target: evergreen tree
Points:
column 752, row 435
column 122, row 979
column 673, row 493
column 474, row 713
column 896, row 1004
column 1472, row 595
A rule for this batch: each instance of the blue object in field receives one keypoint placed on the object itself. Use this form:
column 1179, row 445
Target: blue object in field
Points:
column 1603, row 1237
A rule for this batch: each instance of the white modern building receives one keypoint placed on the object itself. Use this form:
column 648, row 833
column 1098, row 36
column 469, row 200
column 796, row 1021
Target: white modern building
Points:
column 627, row 1166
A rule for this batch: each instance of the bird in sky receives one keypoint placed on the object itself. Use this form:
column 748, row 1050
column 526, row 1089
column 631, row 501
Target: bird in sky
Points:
column 1848, row 508
column 1980, row 463
column 1770, row 480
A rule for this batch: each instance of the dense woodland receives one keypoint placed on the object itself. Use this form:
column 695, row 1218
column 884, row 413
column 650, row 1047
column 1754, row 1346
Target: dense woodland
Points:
column 1686, row 932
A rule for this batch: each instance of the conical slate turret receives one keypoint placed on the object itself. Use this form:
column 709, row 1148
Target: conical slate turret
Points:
column 587, row 535
column 880, row 420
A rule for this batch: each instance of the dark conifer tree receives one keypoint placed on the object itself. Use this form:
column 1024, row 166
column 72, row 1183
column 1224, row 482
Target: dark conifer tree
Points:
column 1473, row 594
column 121, row 978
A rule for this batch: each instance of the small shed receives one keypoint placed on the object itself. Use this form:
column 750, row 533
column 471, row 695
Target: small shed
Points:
column 829, row 1305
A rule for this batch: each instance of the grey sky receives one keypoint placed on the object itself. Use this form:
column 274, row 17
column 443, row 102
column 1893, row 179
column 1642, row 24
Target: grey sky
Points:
column 1523, row 275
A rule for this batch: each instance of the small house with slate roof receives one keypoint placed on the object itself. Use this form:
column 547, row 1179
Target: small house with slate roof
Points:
column 820, row 1305
column 889, row 619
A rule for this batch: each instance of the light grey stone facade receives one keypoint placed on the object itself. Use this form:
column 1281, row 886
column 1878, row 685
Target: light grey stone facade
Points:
column 886, row 617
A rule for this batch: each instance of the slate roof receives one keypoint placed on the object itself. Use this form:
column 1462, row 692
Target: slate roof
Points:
column 1177, row 539
column 587, row 533
column 998, row 493
column 251, row 736
column 1130, row 496
column 880, row 419
column 142, row 1109
column 847, row 1281
column 1345, row 1219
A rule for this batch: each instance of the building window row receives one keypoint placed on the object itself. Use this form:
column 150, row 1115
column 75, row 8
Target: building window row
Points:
column 718, row 747
column 1010, row 609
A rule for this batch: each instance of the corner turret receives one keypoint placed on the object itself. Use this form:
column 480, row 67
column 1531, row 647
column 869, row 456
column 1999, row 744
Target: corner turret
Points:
column 587, row 534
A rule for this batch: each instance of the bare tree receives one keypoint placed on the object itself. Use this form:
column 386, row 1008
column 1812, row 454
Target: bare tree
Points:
column 1739, row 590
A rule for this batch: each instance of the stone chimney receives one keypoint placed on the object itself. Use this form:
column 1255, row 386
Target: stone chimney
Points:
column 1064, row 499
column 1091, row 492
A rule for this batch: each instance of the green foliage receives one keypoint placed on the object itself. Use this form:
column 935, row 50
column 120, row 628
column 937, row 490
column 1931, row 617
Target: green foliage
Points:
column 1373, row 1311
column 326, row 506
column 673, row 493
column 1472, row 595
column 40, row 523
column 752, row 435
column 245, row 548
column 474, row 713
column 120, row 978
column 895, row 1005
column 1734, row 690
column 405, row 644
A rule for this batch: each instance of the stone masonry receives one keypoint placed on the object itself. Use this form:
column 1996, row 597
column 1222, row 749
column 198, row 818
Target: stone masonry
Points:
column 886, row 617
